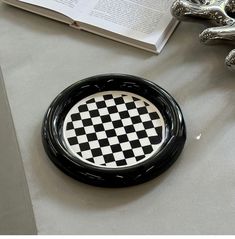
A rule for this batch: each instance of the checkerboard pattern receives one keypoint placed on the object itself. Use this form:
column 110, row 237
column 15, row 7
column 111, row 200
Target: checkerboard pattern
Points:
column 114, row 129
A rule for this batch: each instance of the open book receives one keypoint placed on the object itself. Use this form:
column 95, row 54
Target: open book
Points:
column 145, row 24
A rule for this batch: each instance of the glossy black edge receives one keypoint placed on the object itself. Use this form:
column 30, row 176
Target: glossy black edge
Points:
column 120, row 177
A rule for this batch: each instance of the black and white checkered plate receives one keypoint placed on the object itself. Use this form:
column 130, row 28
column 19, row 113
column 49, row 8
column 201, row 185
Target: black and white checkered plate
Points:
column 113, row 130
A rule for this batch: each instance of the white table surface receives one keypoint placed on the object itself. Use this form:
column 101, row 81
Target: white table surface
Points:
column 40, row 57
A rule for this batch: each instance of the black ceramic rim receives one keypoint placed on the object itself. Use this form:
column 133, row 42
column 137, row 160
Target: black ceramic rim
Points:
column 61, row 130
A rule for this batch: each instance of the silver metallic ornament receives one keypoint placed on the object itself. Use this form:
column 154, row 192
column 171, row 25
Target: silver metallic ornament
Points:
column 217, row 13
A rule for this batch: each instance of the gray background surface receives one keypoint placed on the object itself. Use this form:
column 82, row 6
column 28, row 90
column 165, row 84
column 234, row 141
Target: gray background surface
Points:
column 16, row 214
column 41, row 57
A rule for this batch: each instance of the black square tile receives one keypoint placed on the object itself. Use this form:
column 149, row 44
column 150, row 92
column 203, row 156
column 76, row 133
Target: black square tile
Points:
column 138, row 158
column 69, row 126
column 142, row 134
column 110, row 133
column 73, row 140
column 155, row 139
column 117, row 124
column 128, row 153
column 130, row 105
column 80, row 131
column 82, row 108
column 116, row 148
column 121, row 162
column 112, row 109
column 84, row 146
column 119, row 100
column 142, row 110
column 135, row 144
column 148, row 124
column 90, row 101
column 154, row 115
column 103, row 142
column 136, row 119
column 123, row 138
column 135, row 99
column 76, row 117
column 108, row 158
column 105, row 118
column 94, row 113
column 124, row 114
column 99, row 127
column 91, row 137
column 108, row 97
column 87, row 122
column 101, row 104
column 159, row 131
column 91, row 160
column 96, row 152
column 129, row 129
column 148, row 149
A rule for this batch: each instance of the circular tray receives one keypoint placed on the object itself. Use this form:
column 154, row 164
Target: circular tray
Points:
column 113, row 130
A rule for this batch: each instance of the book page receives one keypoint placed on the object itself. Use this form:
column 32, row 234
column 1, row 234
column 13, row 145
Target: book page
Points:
column 140, row 19
column 145, row 21
column 69, row 8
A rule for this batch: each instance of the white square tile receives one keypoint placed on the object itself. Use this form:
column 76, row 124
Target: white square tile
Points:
column 110, row 102
column 115, row 116
column 125, row 146
column 70, row 133
column 96, row 120
column 87, row 154
column 94, row 144
column 121, row 107
column 132, row 136
column 120, row 131
column 139, row 127
column 119, row 156
column 101, row 135
column 108, row 126
column 82, row 138
column 78, row 124
column 111, row 164
column 144, row 142
column 145, row 117
column 133, row 112
column 106, row 150
column 113, row 140
column 99, row 160
column 126, row 121
column 151, row 132
column 76, row 148
column 89, row 129
column 92, row 106
column 138, row 152
column 103, row 111
column 131, row 161
column 85, row 115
